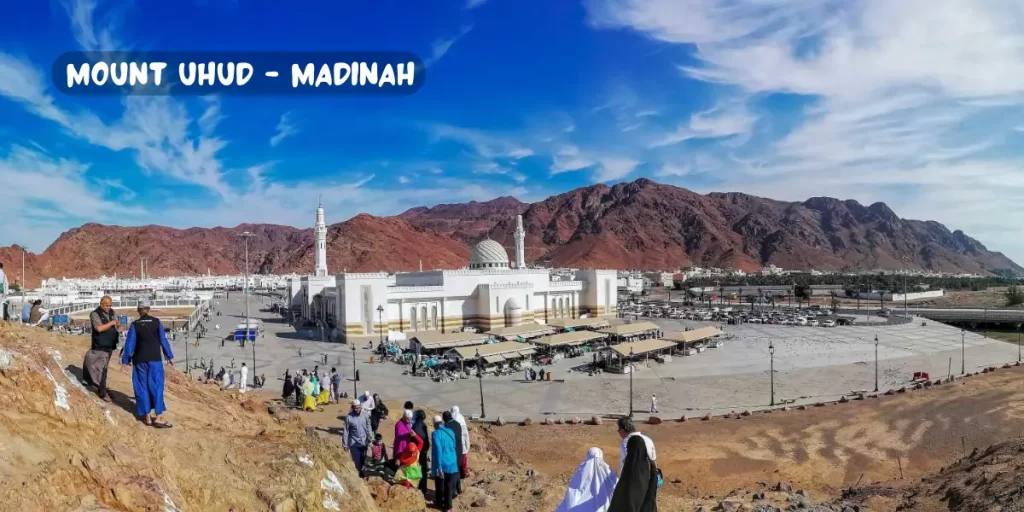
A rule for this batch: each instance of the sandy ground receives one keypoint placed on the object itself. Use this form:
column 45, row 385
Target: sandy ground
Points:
column 990, row 298
column 62, row 449
column 821, row 449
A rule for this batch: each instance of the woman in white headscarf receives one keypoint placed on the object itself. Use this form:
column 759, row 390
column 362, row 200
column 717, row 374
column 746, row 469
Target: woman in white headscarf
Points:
column 368, row 403
column 464, row 456
column 591, row 487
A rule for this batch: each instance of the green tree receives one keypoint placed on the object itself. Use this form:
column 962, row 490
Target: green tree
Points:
column 802, row 292
column 15, row 287
column 1014, row 295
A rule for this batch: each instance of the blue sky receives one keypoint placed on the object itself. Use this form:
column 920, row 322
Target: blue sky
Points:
column 917, row 103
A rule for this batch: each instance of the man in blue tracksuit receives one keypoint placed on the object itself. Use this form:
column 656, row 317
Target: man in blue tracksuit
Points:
column 145, row 347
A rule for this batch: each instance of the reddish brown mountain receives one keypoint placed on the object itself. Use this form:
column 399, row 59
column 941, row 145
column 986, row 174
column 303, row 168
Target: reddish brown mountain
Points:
column 631, row 225
column 652, row 226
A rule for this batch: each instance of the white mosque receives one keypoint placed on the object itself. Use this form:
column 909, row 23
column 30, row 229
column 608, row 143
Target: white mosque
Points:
column 490, row 293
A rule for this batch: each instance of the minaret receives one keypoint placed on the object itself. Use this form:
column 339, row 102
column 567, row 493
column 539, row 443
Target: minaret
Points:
column 320, row 263
column 520, row 243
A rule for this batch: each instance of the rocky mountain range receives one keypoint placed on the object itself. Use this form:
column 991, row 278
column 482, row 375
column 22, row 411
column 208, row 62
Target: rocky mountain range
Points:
column 640, row 225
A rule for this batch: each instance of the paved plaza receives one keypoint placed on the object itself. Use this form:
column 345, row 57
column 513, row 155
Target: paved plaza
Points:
column 811, row 364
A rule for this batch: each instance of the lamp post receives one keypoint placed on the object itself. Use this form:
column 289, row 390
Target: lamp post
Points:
column 246, row 236
column 380, row 321
column 771, row 369
column 355, row 392
column 963, row 364
column 1018, row 343
column 630, row 381
column 480, row 379
column 876, row 363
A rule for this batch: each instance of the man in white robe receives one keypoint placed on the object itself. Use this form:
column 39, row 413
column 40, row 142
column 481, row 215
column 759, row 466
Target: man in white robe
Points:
column 243, row 383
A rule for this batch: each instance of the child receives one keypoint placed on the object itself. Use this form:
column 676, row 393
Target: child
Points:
column 378, row 451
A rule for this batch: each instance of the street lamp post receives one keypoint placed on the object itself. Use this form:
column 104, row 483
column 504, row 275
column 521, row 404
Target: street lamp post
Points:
column 630, row 381
column 246, row 236
column 380, row 322
column 480, row 379
column 355, row 392
column 963, row 363
column 876, row 363
column 771, row 369
column 1018, row 343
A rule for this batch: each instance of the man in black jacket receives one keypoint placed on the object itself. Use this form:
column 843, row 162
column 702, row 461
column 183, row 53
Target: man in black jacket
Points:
column 104, row 342
column 145, row 348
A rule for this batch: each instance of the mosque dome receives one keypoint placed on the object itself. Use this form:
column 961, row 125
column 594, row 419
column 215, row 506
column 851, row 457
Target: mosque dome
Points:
column 488, row 254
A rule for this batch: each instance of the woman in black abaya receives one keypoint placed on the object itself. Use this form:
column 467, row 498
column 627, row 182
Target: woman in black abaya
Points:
column 637, row 489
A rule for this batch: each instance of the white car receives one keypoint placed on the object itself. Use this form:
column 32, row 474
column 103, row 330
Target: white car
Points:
column 812, row 323
column 829, row 323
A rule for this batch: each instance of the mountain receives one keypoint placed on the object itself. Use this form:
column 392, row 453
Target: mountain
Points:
column 648, row 225
column 642, row 225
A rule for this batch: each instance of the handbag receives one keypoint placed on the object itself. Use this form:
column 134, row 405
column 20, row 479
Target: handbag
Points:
column 661, row 480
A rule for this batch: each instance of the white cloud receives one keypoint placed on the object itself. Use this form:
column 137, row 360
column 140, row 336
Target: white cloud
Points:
column 911, row 102
column 721, row 121
column 569, row 158
column 441, row 46
column 286, row 127
column 82, row 15
column 614, row 168
column 403, row 180
column 485, row 144
column 473, row 4
column 41, row 193
column 669, row 170
column 497, row 169
column 211, row 116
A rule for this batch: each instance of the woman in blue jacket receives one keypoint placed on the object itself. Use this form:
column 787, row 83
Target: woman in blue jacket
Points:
column 444, row 465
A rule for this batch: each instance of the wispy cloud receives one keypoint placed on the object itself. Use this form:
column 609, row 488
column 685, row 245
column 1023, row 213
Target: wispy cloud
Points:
column 569, row 158
column 41, row 193
column 89, row 30
column 614, row 168
column 721, row 121
column 905, row 97
column 441, row 46
column 485, row 144
column 473, row 4
column 286, row 127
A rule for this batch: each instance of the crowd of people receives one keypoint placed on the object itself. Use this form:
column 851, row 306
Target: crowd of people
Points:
column 310, row 389
column 418, row 454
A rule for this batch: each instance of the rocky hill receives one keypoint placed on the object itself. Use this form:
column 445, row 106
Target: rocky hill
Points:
column 642, row 225
column 61, row 448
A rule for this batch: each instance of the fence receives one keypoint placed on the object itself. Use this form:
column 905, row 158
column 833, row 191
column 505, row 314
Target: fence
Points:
column 14, row 309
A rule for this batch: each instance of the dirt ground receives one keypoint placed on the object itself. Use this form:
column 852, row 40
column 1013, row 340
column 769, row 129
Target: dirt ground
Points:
column 990, row 298
column 62, row 449
column 890, row 440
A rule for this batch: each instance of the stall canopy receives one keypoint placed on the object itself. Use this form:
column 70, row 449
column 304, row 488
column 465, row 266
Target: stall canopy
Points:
column 435, row 340
column 568, row 339
column 495, row 352
column 692, row 336
column 579, row 323
column 632, row 329
column 530, row 330
column 643, row 347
